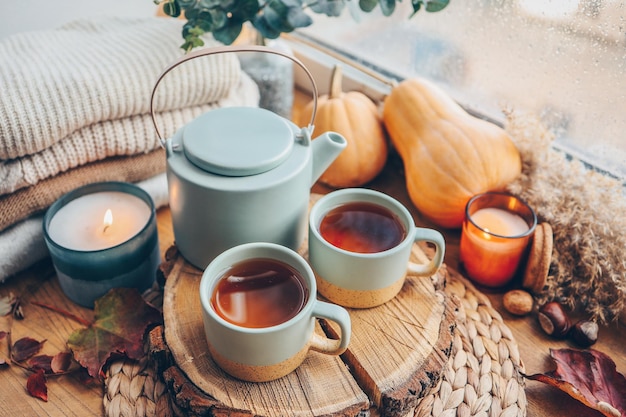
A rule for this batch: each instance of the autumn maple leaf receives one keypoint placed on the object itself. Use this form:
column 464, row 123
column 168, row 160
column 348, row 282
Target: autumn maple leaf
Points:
column 589, row 376
column 121, row 319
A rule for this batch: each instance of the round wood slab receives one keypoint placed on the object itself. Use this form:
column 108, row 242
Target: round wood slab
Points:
column 396, row 356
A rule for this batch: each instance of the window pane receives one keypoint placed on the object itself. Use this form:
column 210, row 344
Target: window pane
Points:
column 564, row 60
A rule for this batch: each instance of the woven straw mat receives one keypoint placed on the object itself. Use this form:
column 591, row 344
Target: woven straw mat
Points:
column 482, row 377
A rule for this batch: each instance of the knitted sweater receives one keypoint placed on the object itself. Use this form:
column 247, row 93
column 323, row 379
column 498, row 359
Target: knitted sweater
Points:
column 81, row 93
column 56, row 82
column 126, row 136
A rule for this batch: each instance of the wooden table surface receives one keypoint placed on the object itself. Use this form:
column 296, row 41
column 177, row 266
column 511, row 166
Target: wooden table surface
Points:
column 68, row 396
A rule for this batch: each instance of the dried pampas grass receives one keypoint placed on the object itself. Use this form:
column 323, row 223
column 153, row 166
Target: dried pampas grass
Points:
column 587, row 211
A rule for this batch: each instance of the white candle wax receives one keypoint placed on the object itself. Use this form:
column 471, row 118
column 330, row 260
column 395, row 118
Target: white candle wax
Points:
column 500, row 222
column 80, row 225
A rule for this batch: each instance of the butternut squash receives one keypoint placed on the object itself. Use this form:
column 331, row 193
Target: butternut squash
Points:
column 449, row 155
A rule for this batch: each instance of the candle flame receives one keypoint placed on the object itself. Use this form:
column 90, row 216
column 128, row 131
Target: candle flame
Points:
column 108, row 220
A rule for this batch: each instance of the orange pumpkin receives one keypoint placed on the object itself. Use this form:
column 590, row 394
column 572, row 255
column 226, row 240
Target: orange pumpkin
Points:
column 356, row 117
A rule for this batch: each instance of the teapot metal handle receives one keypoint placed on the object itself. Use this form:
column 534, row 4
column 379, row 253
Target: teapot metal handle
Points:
column 220, row 50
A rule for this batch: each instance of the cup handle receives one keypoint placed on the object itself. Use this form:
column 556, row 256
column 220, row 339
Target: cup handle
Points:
column 435, row 238
column 340, row 316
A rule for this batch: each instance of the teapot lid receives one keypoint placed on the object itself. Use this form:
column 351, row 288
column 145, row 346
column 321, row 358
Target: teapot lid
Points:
column 238, row 141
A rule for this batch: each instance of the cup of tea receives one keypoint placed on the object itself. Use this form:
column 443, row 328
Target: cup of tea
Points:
column 259, row 308
column 360, row 244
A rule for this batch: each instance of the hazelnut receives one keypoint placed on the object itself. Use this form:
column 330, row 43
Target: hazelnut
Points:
column 584, row 333
column 518, row 302
column 554, row 320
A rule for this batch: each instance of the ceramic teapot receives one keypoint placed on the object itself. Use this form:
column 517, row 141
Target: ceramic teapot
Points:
column 241, row 174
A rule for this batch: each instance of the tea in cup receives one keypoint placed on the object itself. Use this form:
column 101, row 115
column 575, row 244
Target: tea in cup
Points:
column 259, row 308
column 360, row 244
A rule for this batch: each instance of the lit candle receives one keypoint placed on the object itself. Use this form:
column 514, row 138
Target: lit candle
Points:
column 86, row 223
column 494, row 238
column 102, row 236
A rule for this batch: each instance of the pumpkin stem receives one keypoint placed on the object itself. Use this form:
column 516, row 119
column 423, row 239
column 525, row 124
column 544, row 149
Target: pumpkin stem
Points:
column 335, row 82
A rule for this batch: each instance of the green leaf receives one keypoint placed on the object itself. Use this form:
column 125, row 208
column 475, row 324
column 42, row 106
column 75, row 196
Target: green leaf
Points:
column 228, row 33
column 436, row 5
column 229, row 5
column 297, row 18
column 417, row 5
column 209, row 4
column 293, row 3
column 191, row 14
column 277, row 19
column 204, row 21
column 331, row 8
column 245, row 10
column 185, row 4
column 278, row 7
column 387, row 7
column 430, row 5
column 121, row 319
column 219, row 18
column 260, row 23
column 194, row 31
column 286, row 15
column 367, row 5
column 171, row 8
column 191, row 31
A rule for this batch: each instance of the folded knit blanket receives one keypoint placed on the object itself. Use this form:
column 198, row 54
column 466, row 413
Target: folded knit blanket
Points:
column 58, row 81
column 22, row 245
column 21, row 204
column 124, row 136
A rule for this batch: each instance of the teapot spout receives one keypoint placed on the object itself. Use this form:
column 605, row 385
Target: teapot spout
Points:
column 326, row 148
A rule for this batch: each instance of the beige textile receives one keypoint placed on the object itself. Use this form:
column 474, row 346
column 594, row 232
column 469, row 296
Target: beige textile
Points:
column 22, row 245
column 126, row 136
column 56, row 82
column 32, row 200
column 81, row 93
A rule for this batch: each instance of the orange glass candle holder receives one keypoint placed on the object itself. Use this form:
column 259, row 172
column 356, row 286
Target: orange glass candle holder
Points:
column 495, row 236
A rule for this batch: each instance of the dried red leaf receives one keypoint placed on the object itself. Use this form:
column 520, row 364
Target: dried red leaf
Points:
column 41, row 362
column 61, row 362
column 590, row 377
column 37, row 386
column 58, row 363
column 25, row 348
column 121, row 319
column 85, row 379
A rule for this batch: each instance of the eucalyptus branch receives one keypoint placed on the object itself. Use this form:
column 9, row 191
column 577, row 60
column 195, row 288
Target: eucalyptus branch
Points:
column 224, row 19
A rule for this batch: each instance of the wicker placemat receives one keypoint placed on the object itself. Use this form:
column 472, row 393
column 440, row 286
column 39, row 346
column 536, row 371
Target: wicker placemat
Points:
column 482, row 377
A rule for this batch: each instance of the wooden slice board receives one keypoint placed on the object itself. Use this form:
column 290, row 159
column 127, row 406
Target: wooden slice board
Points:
column 396, row 356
